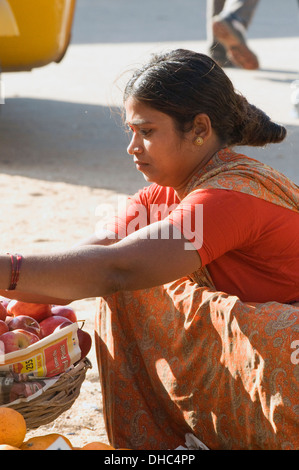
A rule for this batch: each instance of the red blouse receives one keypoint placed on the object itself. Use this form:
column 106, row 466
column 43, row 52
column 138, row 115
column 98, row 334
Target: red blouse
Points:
column 250, row 246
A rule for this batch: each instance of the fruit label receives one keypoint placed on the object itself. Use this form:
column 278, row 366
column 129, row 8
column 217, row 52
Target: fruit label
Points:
column 31, row 365
column 59, row 444
column 57, row 357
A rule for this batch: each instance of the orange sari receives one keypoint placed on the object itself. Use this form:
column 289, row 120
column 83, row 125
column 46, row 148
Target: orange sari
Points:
column 185, row 358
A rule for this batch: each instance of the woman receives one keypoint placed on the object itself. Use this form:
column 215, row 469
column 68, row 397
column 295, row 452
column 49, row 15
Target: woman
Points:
column 198, row 278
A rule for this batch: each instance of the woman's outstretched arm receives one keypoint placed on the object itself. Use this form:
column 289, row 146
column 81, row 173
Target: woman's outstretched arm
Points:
column 104, row 238
column 33, row 298
column 143, row 259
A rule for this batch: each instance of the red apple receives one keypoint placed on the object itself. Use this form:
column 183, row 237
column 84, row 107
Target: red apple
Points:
column 85, row 342
column 64, row 311
column 62, row 325
column 17, row 339
column 8, row 319
column 3, row 312
column 50, row 324
column 37, row 311
column 25, row 323
column 3, row 327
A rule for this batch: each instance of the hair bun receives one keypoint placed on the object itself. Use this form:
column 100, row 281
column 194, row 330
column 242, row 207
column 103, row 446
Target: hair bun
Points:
column 254, row 127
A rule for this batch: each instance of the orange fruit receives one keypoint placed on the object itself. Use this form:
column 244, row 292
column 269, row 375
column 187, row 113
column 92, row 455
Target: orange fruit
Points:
column 97, row 446
column 12, row 427
column 44, row 442
column 8, row 447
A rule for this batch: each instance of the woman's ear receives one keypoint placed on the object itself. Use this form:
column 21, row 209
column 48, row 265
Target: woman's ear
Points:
column 202, row 126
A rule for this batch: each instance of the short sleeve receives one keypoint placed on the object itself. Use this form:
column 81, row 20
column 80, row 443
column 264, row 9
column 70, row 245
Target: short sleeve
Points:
column 149, row 205
column 215, row 221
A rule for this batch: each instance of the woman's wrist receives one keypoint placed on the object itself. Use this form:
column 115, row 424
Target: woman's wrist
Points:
column 16, row 263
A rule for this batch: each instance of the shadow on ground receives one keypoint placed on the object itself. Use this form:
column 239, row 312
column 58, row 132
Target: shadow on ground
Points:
column 86, row 145
column 71, row 142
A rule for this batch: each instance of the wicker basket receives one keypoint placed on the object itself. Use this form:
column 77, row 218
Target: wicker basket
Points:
column 56, row 399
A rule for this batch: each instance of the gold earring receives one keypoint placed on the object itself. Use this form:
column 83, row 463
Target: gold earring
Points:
column 198, row 141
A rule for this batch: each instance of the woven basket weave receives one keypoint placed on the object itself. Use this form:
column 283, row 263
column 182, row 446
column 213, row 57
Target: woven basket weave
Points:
column 56, row 399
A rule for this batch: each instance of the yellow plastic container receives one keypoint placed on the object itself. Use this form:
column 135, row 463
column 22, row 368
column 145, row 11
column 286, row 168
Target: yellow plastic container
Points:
column 34, row 33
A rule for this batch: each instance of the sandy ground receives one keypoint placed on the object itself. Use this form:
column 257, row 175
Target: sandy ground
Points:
column 56, row 229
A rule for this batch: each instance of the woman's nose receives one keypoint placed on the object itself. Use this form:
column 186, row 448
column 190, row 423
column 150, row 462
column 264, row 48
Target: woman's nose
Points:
column 134, row 147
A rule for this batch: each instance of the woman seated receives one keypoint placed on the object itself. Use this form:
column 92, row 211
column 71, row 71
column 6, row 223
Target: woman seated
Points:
column 197, row 329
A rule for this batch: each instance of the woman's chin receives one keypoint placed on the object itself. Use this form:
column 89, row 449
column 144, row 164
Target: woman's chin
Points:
column 147, row 177
column 151, row 178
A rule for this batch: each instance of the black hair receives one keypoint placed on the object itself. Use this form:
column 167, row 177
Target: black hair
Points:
column 183, row 83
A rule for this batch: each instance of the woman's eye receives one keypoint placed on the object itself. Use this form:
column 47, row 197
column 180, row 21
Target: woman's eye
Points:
column 145, row 132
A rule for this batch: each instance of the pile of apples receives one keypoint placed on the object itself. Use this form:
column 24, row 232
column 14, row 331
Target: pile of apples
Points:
column 23, row 324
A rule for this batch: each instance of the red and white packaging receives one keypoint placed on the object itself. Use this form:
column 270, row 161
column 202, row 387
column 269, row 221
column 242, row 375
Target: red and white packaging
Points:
column 48, row 357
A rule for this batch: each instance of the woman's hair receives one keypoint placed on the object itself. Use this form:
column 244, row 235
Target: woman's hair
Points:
column 184, row 83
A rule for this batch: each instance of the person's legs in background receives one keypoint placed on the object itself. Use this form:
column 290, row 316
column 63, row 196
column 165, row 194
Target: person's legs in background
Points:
column 216, row 49
column 227, row 23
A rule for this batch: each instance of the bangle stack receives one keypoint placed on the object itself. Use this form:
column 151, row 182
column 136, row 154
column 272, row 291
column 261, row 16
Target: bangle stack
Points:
column 16, row 261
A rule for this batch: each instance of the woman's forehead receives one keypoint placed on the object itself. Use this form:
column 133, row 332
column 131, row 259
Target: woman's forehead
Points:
column 138, row 113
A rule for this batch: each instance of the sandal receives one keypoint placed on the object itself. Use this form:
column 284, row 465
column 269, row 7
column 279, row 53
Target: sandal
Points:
column 218, row 53
column 235, row 45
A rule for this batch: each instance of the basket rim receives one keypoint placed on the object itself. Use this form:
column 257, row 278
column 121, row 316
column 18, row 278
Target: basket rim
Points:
column 54, row 401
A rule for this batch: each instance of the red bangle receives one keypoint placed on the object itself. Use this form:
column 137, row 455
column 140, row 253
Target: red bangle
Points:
column 16, row 262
